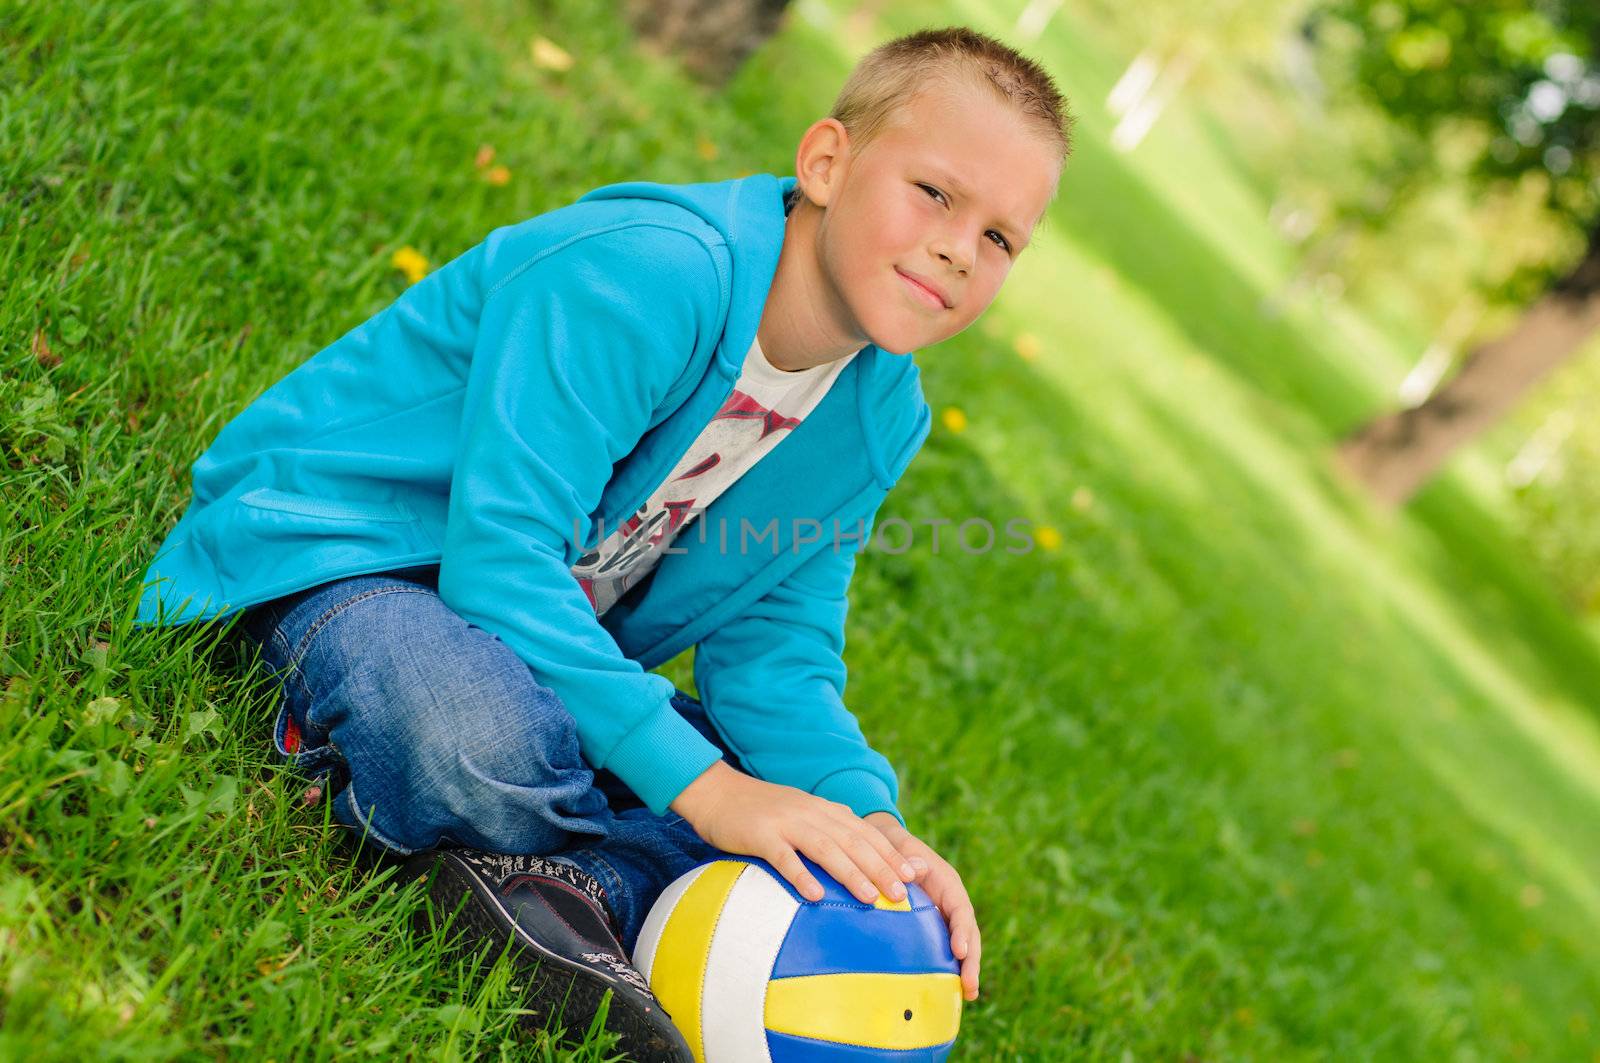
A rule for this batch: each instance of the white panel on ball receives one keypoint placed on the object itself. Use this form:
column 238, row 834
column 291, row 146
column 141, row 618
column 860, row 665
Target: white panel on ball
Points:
column 749, row 935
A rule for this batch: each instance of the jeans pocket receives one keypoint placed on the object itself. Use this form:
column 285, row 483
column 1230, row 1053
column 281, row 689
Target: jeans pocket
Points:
column 306, row 748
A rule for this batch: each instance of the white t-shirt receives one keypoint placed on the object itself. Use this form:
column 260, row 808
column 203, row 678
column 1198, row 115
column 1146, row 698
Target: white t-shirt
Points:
column 766, row 404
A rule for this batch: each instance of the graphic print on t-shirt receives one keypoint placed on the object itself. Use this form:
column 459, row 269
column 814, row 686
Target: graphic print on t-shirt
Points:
column 766, row 404
column 745, row 406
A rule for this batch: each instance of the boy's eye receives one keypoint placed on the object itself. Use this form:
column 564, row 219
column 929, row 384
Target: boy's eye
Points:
column 999, row 240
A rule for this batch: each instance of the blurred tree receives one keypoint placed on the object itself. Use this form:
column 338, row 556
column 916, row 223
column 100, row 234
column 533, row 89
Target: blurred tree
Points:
column 1513, row 87
column 712, row 38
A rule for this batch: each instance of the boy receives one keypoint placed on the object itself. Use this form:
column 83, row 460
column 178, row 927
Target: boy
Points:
column 662, row 416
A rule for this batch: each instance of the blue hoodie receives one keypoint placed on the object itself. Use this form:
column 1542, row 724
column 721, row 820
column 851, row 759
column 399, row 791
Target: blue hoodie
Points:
column 528, row 395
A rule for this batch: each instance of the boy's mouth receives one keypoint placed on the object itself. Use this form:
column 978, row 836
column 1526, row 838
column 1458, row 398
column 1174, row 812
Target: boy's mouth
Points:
column 924, row 290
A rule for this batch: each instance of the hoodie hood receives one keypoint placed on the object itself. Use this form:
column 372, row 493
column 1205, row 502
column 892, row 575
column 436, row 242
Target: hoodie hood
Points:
column 748, row 212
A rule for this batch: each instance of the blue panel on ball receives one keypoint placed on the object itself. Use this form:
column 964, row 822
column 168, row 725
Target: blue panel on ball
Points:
column 841, row 939
column 786, row 1048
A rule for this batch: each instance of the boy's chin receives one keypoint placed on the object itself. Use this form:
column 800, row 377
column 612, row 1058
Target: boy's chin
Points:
column 900, row 340
column 905, row 342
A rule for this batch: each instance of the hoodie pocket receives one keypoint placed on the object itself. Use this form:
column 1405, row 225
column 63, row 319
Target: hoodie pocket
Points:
column 327, row 508
column 266, row 539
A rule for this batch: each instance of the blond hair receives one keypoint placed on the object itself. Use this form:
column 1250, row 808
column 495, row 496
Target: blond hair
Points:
column 894, row 72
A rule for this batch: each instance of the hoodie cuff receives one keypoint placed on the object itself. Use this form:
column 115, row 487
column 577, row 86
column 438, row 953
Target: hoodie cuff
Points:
column 660, row 756
column 863, row 791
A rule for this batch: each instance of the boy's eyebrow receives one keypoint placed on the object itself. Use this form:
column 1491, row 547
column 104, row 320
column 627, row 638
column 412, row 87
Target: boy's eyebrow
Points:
column 959, row 187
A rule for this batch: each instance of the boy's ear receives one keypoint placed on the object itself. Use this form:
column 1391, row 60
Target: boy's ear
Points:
column 820, row 159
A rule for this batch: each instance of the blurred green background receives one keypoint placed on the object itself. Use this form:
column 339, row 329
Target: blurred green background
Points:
column 1239, row 763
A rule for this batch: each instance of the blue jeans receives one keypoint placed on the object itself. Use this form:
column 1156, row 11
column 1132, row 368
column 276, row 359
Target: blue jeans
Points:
column 426, row 730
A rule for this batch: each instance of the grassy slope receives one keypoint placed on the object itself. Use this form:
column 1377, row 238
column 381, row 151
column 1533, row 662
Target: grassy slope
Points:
column 1241, row 769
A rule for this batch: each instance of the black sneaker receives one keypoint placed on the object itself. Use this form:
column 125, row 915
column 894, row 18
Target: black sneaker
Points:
column 562, row 932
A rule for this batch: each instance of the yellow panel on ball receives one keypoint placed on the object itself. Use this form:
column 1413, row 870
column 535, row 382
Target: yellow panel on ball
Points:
column 679, row 972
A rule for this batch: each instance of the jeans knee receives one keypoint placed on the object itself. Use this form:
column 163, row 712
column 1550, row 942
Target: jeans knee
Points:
column 445, row 732
column 490, row 764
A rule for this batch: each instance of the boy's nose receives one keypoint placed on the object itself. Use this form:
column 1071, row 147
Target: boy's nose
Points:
column 962, row 262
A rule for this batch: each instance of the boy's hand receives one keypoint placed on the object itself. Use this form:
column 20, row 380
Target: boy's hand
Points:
column 943, row 885
column 739, row 813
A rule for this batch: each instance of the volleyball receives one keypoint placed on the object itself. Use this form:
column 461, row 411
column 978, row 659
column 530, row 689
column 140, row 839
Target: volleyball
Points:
column 752, row 972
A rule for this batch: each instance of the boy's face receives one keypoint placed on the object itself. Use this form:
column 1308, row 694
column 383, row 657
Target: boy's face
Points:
column 948, row 193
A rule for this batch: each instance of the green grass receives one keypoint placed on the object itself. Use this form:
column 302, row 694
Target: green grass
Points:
column 1243, row 769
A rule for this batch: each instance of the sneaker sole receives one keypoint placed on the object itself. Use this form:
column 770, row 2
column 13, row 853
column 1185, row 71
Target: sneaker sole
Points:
column 557, row 982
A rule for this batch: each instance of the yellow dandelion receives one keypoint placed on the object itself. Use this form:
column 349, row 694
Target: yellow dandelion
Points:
column 1027, row 346
column 954, row 419
column 1082, row 499
column 548, row 55
column 1047, row 537
column 484, row 157
column 498, row 176
column 706, row 148
column 411, row 262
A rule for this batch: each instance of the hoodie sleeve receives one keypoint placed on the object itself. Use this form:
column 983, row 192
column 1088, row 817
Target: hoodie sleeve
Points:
column 574, row 351
column 773, row 683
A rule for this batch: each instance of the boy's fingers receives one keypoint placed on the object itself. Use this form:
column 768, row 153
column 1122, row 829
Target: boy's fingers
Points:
column 939, row 870
column 964, row 923
column 896, row 835
column 889, row 868
column 919, row 870
column 955, row 899
column 831, row 855
column 967, row 944
column 945, row 889
column 959, row 917
column 963, row 932
column 890, row 853
column 791, row 867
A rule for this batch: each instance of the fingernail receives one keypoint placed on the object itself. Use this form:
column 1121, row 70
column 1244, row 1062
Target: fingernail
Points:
column 907, row 871
column 899, row 892
column 919, row 863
